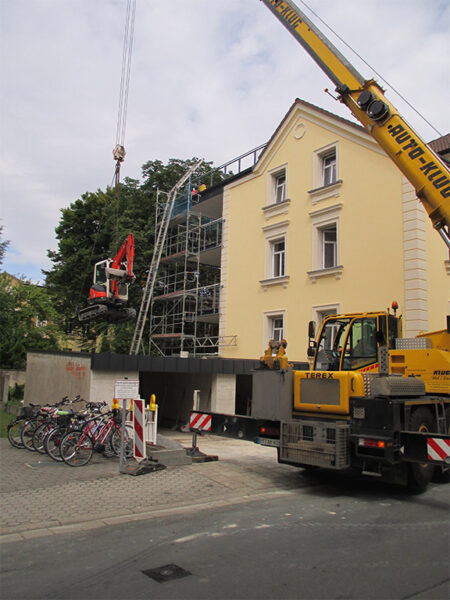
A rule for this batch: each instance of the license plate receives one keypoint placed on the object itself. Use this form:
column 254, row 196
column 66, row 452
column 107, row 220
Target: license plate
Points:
column 268, row 442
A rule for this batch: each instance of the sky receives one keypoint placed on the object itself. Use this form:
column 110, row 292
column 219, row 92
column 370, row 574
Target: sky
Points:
column 209, row 78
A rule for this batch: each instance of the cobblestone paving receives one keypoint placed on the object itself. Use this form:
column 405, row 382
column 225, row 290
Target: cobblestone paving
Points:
column 39, row 496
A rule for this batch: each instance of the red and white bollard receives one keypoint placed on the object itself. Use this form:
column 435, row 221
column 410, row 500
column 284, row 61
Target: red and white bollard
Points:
column 139, row 446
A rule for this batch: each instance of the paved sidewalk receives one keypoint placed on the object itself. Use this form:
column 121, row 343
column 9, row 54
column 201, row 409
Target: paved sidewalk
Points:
column 41, row 497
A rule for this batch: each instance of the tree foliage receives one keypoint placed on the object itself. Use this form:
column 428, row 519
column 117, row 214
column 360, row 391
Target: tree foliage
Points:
column 28, row 321
column 92, row 229
column 3, row 245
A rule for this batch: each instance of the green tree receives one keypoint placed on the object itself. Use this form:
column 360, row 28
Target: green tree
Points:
column 83, row 239
column 3, row 245
column 28, row 321
column 93, row 227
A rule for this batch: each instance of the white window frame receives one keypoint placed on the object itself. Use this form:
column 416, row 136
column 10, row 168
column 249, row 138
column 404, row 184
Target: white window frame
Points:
column 320, row 312
column 269, row 319
column 322, row 190
column 274, row 234
column 327, row 243
column 279, row 187
column 329, row 168
column 323, row 310
column 276, row 204
column 322, row 220
column 278, row 257
column 277, row 330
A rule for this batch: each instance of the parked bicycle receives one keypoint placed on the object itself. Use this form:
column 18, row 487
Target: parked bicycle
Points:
column 31, row 425
column 54, row 416
column 15, row 426
column 65, row 423
column 77, row 447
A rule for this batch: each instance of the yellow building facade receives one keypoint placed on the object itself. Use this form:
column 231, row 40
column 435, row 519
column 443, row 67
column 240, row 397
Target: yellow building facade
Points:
column 324, row 223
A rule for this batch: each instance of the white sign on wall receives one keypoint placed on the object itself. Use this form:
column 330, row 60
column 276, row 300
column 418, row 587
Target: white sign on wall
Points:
column 126, row 389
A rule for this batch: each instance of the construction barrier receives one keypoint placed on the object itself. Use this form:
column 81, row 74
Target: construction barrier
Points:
column 151, row 421
column 438, row 449
column 139, row 448
column 200, row 421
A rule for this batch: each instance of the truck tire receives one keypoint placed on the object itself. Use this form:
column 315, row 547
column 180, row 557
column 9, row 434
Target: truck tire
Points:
column 420, row 474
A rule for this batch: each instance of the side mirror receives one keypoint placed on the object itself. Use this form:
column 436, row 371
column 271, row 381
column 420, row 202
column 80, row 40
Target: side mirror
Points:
column 311, row 351
column 312, row 329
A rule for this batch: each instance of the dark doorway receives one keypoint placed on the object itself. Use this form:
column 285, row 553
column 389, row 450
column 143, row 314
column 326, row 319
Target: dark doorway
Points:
column 243, row 394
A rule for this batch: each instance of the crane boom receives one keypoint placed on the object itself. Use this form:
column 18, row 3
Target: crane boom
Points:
column 426, row 172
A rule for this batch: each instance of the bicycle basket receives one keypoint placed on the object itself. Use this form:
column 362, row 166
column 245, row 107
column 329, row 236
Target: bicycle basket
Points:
column 63, row 420
column 29, row 411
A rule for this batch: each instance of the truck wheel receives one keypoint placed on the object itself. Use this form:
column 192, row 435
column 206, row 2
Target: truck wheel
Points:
column 420, row 474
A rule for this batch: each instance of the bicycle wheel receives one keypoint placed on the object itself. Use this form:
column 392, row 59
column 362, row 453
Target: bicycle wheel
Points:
column 115, row 441
column 26, row 435
column 76, row 448
column 14, row 431
column 39, row 435
column 52, row 443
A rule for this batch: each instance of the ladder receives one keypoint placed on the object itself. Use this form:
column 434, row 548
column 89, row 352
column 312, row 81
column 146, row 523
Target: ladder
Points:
column 157, row 251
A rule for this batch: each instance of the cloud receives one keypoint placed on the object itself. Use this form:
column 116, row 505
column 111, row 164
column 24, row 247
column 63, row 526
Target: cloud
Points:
column 211, row 79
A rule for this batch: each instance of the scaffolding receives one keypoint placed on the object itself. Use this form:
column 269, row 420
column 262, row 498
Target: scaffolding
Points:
column 185, row 309
column 163, row 220
column 185, row 298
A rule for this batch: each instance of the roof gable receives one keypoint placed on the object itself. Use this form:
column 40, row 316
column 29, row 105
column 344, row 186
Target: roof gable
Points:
column 322, row 118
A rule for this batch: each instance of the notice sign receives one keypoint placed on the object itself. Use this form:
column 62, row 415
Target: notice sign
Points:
column 126, row 389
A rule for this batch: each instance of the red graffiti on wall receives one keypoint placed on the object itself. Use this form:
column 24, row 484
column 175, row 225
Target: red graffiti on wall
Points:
column 75, row 369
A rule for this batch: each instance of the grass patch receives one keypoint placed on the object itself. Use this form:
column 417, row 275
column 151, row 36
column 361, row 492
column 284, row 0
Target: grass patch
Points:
column 5, row 418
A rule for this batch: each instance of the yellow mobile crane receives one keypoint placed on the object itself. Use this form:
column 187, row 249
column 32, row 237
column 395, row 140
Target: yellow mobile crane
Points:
column 371, row 400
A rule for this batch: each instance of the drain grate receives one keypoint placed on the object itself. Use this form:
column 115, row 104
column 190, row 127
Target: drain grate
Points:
column 166, row 573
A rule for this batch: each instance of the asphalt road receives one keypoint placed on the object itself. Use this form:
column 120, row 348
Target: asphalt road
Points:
column 336, row 538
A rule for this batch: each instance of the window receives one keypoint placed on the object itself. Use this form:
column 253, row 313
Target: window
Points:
column 275, row 253
column 276, row 201
column 100, row 272
column 329, row 168
column 328, row 242
column 279, row 188
column 325, row 173
column 320, row 312
column 277, row 328
column 273, row 327
column 325, row 259
column 361, row 345
column 278, row 258
column 332, row 338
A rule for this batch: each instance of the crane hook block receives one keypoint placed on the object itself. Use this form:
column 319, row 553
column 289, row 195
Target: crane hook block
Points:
column 119, row 153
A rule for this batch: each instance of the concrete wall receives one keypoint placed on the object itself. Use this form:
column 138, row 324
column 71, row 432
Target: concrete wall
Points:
column 50, row 377
column 102, row 384
column 223, row 393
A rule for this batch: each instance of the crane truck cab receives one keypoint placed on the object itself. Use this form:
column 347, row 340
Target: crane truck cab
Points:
column 354, row 342
column 350, row 342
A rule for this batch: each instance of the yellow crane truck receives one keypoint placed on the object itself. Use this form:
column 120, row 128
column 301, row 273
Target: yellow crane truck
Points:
column 371, row 400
